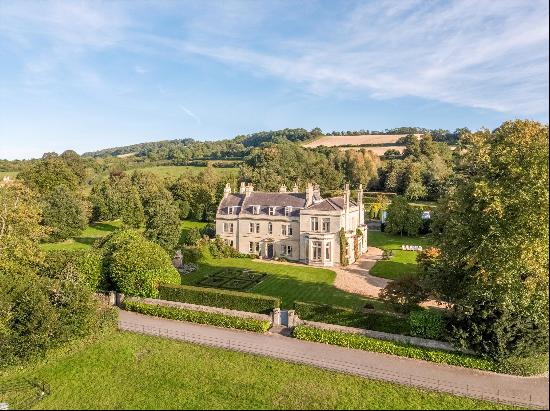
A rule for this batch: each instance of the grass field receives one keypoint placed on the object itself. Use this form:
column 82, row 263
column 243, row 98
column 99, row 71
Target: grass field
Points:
column 402, row 262
column 131, row 371
column 289, row 282
column 86, row 239
column 12, row 174
column 176, row 171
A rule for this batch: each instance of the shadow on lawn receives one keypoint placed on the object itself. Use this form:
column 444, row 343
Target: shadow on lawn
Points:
column 290, row 289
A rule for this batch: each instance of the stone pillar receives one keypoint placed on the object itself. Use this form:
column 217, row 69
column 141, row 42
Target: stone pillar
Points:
column 119, row 299
column 292, row 318
column 276, row 316
column 112, row 298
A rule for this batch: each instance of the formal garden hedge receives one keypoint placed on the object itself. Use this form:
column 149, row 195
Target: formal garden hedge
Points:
column 516, row 366
column 375, row 320
column 232, row 300
column 200, row 317
column 427, row 324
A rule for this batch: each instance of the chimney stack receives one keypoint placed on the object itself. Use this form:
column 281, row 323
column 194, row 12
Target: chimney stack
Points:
column 346, row 205
column 242, row 189
column 316, row 191
column 295, row 188
column 282, row 189
column 248, row 189
column 309, row 194
column 227, row 190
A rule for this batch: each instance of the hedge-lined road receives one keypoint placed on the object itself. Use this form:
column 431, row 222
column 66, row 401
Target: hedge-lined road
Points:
column 461, row 381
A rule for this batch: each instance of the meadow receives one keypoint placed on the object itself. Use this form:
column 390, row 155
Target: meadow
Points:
column 123, row 370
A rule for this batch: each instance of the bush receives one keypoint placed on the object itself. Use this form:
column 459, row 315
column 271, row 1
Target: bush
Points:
column 136, row 266
column 192, row 237
column 75, row 265
column 191, row 254
column 208, row 230
column 232, row 300
column 393, row 348
column 404, row 294
column 219, row 249
column 200, row 317
column 427, row 324
column 375, row 320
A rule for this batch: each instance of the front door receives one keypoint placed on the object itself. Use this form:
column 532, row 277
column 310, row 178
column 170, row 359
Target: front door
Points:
column 270, row 250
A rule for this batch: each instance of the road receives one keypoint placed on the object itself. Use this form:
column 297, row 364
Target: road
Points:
column 526, row 391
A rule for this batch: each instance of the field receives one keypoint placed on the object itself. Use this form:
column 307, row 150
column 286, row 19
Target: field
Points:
column 332, row 141
column 176, row 171
column 379, row 150
column 12, row 174
column 402, row 262
column 86, row 239
column 131, row 371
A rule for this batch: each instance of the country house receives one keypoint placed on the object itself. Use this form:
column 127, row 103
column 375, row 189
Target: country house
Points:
column 298, row 226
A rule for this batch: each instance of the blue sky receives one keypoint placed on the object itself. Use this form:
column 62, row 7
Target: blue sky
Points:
column 90, row 75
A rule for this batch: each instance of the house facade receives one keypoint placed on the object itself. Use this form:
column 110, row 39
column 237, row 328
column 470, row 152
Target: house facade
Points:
column 298, row 226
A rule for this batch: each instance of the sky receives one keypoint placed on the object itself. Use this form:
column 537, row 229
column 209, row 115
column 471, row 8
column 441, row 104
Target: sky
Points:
column 87, row 75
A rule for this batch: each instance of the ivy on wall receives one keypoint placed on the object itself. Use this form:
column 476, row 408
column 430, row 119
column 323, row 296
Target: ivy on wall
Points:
column 344, row 260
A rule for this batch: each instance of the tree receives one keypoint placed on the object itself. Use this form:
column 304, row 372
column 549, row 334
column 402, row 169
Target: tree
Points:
column 162, row 223
column 493, row 234
column 404, row 294
column 398, row 212
column 20, row 229
column 45, row 175
column 65, row 213
column 75, row 163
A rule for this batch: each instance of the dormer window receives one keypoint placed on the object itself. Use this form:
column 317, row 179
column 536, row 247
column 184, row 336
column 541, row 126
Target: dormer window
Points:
column 288, row 211
column 230, row 210
column 272, row 210
column 256, row 209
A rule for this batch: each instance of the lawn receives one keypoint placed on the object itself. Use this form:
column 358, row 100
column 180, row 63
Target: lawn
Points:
column 131, row 371
column 86, row 239
column 402, row 262
column 289, row 282
column 176, row 171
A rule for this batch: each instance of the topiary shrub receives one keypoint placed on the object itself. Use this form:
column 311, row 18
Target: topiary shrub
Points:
column 427, row 324
column 135, row 266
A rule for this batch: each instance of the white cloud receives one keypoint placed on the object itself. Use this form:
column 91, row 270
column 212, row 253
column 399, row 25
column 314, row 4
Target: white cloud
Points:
column 140, row 70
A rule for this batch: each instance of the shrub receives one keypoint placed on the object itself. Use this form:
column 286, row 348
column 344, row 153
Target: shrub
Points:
column 191, row 254
column 393, row 348
column 344, row 260
column 219, row 249
column 375, row 320
column 404, row 294
column 232, row 300
column 208, row 230
column 136, row 266
column 76, row 265
column 200, row 317
column 192, row 236
column 427, row 324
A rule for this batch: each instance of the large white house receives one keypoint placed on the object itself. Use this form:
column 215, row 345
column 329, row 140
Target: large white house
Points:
column 299, row 226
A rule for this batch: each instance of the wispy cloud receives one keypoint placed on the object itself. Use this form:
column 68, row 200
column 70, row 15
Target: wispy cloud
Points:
column 475, row 53
column 190, row 114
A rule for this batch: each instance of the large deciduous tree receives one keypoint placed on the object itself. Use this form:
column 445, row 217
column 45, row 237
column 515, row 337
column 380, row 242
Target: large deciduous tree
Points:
column 65, row 212
column 493, row 234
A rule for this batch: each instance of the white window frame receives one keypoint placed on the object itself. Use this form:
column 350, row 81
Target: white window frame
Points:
column 255, row 209
column 272, row 210
column 288, row 211
column 314, row 223
column 257, row 246
column 250, row 227
column 283, row 249
column 283, row 229
column 269, row 228
column 231, row 210
column 289, row 250
column 251, row 246
column 228, row 228
column 257, row 228
column 289, row 229
column 328, row 251
column 326, row 225
column 317, row 250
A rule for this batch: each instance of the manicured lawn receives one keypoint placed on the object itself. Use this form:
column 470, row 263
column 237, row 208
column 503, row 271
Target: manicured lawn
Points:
column 87, row 238
column 289, row 282
column 176, row 171
column 131, row 371
column 402, row 262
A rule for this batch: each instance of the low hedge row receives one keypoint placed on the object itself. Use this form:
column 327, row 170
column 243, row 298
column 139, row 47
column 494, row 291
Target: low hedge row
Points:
column 375, row 320
column 200, row 317
column 390, row 347
column 232, row 300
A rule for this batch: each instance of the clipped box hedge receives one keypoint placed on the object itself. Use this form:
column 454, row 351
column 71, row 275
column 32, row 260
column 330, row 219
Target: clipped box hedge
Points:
column 232, row 300
column 375, row 320
column 390, row 347
column 200, row 317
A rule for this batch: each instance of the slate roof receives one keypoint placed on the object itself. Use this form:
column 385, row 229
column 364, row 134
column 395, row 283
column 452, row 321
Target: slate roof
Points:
column 265, row 200
column 330, row 204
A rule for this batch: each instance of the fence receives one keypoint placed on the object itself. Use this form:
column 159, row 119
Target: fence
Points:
column 23, row 394
column 337, row 365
